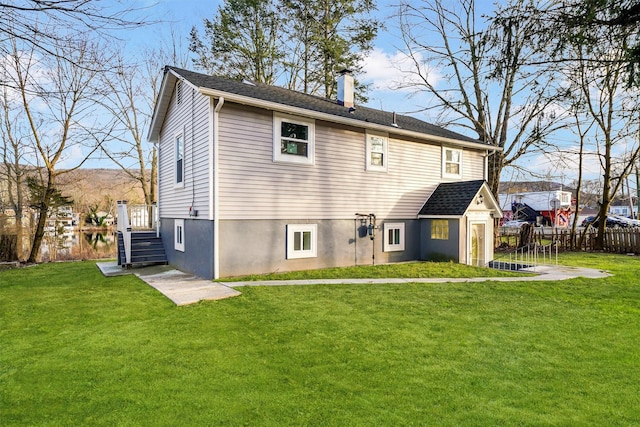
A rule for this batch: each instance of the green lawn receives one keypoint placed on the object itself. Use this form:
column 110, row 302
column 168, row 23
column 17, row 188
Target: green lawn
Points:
column 80, row 349
column 410, row 270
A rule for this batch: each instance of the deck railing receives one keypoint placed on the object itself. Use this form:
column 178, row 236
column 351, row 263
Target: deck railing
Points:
column 142, row 217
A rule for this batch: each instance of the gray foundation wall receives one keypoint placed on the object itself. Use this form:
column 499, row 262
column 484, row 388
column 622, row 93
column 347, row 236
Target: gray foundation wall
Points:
column 440, row 250
column 197, row 257
column 259, row 246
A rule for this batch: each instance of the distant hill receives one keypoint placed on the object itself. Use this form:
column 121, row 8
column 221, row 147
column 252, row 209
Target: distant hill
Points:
column 88, row 187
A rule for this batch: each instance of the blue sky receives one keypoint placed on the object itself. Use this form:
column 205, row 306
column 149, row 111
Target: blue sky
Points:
column 381, row 66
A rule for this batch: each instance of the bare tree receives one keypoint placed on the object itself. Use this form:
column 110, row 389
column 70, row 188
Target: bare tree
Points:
column 611, row 106
column 57, row 98
column 488, row 87
column 43, row 25
column 133, row 87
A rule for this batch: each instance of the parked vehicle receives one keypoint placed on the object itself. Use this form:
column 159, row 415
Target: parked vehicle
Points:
column 612, row 222
column 628, row 221
column 514, row 224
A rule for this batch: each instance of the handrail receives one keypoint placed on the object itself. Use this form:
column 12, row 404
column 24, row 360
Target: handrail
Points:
column 531, row 255
column 124, row 226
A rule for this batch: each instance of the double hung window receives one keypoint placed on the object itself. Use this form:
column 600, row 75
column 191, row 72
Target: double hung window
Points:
column 451, row 163
column 179, row 155
column 376, row 152
column 293, row 139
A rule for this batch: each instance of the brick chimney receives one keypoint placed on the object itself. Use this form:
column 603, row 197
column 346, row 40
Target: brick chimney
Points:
column 345, row 88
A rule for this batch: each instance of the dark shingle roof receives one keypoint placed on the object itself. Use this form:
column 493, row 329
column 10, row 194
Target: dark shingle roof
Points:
column 451, row 198
column 315, row 103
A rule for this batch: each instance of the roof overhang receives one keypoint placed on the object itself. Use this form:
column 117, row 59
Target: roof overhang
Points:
column 269, row 105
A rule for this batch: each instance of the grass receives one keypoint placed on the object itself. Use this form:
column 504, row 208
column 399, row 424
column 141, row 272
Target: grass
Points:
column 380, row 271
column 80, row 349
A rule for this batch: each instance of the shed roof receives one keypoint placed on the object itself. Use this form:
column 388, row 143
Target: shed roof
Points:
column 253, row 93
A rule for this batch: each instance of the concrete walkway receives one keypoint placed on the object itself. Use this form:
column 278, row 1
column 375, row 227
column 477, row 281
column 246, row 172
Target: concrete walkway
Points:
column 184, row 289
column 179, row 287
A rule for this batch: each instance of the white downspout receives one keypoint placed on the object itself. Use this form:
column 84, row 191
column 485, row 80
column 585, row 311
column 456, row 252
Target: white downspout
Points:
column 216, row 190
column 486, row 165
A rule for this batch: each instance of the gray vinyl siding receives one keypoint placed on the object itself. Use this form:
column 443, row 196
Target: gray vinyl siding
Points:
column 191, row 119
column 252, row 186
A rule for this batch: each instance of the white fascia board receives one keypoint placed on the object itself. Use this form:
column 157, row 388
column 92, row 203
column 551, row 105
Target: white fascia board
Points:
column 440, row 216
column 274, row 106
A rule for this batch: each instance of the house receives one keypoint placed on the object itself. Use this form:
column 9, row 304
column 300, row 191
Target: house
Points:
column 255, row 179
column 550, row 207
column 626, row 207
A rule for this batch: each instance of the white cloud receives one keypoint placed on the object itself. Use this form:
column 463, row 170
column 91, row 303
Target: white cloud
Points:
column 395, row 71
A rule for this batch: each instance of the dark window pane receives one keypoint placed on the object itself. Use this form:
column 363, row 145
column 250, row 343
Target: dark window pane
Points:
column 297, row 238
column 295, row 131
column 306, row 240
column 179, row 171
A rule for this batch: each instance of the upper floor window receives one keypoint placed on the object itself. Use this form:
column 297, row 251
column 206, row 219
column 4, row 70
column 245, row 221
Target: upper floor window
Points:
column 376, row 152
column 451, row 163
column 179, row 154
column 293, row 139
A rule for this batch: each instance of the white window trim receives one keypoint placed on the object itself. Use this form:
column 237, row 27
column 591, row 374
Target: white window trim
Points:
column 178, row 235
column 295, row 228
column 385, row 152
column 444, row 163
column 392, row 247
column 180, row 136
column 278, row 156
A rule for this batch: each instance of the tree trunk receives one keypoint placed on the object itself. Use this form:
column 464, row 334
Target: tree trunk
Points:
column 43, row 211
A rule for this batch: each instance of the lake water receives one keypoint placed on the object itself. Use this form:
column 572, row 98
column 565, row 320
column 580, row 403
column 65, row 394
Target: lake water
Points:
column 79, row 244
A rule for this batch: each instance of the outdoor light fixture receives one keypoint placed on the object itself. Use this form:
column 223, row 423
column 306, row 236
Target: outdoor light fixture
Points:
column 480, row 199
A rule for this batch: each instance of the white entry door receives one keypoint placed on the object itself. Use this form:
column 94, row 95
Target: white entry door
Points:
column 478, row 250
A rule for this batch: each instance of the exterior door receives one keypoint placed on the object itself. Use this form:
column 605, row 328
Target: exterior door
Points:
column 478, row 244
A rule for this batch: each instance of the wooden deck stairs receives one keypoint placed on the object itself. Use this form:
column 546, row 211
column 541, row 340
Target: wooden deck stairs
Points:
column 146, row 249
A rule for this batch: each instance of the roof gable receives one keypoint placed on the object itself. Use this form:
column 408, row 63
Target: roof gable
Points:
column 451, row 198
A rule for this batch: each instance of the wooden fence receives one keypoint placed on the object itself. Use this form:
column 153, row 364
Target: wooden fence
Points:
column 616, row 240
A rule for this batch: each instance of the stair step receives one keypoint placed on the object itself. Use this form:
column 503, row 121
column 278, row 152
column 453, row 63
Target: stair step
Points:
column 146, row 248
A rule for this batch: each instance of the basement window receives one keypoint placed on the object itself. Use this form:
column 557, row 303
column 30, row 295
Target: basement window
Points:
column 179, row 235
column 393, row 237
column 302, row 241
column 440, row 229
